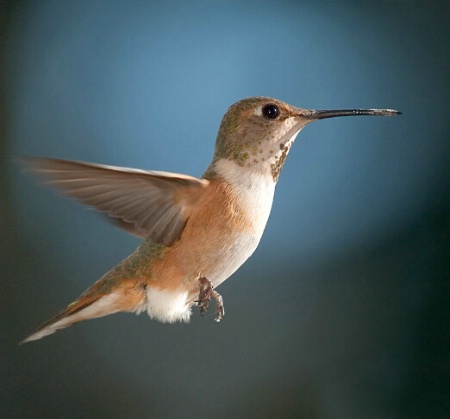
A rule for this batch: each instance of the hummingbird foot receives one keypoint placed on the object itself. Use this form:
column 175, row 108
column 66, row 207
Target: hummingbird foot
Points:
column 207, row 292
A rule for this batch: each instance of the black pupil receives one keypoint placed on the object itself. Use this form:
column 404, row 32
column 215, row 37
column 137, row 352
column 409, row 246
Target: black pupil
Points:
column 271, row 111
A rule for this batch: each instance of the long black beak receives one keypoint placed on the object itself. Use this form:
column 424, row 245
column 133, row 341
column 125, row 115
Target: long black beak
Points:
column 313, row 114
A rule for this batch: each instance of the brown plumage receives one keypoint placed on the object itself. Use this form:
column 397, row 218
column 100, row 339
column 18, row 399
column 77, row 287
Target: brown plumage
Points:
column 197, row 232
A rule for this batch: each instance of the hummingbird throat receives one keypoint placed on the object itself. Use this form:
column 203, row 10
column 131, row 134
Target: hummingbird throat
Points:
column 259, row 156
column 280, row 158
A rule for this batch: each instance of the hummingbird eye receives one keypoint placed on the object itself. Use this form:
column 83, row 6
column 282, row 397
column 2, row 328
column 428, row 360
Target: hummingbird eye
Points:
column 271, row 111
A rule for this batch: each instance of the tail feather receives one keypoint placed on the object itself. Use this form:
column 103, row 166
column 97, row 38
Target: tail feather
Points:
column 91, row 305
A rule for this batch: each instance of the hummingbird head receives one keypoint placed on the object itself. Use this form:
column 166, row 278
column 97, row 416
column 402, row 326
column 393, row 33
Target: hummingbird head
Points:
column 258, row 132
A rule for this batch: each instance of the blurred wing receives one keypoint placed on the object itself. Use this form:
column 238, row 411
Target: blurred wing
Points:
column 145, row 203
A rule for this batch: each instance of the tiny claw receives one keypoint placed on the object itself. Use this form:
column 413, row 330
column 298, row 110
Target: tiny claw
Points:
column 207, row 292
column 204, row 305
column 220, row 311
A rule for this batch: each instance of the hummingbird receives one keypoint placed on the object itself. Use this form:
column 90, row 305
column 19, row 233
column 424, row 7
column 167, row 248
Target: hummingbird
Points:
column 196, row 231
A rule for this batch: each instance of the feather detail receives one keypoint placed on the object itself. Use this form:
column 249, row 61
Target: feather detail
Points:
column 149, row 204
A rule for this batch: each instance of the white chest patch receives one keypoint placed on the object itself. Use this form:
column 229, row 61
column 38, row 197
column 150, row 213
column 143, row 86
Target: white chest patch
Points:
column 254, row 190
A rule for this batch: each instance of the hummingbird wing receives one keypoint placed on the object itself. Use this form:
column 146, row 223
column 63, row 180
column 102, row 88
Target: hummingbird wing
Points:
column 149, row 204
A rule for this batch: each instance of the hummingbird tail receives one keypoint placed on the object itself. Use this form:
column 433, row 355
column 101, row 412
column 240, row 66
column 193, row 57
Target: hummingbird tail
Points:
column 92, row 304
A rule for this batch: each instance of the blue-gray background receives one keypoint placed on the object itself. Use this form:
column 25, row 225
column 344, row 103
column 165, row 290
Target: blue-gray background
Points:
column 343, row 310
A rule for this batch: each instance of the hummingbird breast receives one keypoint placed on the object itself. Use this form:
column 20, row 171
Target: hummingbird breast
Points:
column 222, row 232
column 226, row 228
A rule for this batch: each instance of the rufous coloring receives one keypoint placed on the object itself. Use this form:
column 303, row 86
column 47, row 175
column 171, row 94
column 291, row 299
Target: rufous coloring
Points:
column 196, row 232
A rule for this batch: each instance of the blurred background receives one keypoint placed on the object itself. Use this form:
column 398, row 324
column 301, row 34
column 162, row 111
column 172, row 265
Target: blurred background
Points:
column 342, row 312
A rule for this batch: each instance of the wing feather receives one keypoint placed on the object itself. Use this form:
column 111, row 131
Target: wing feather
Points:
column 145, row 203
